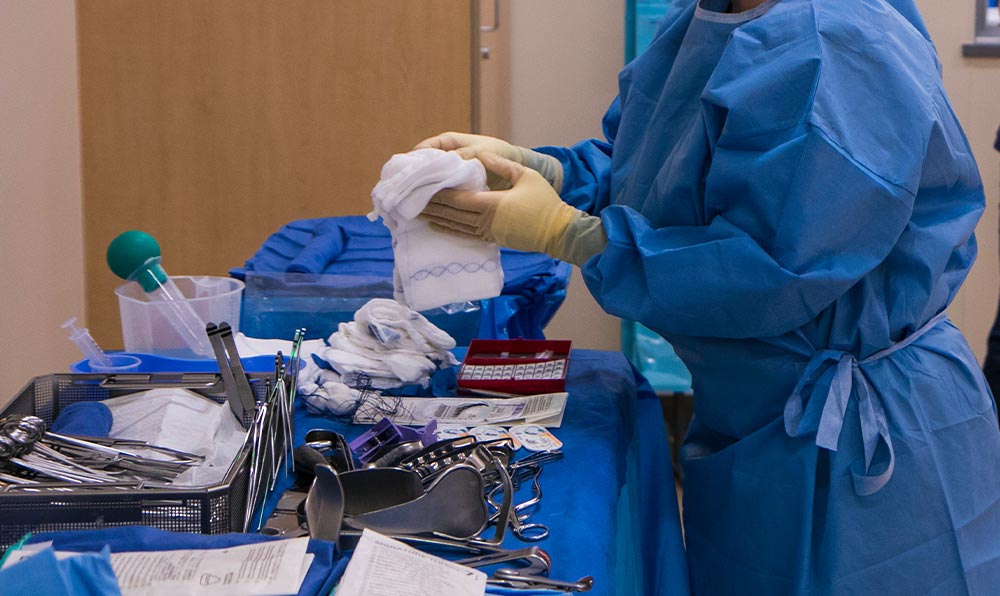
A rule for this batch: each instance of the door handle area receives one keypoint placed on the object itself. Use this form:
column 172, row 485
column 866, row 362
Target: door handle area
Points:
column 496, row 19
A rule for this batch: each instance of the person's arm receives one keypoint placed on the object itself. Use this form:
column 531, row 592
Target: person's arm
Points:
column 470, row 146
column 580, row 174
column 529, row 216
column 780, row 249
column 812, row 182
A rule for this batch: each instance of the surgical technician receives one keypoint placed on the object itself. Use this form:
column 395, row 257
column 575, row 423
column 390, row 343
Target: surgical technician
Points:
column 785, row 195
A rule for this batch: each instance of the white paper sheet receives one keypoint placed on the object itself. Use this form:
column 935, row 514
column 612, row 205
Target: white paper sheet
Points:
column 272, row 568
column 544, row 410
column 382, row 566
column 181, row 419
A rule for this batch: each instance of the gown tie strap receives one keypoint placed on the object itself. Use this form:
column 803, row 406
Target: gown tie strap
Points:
column 816, row 406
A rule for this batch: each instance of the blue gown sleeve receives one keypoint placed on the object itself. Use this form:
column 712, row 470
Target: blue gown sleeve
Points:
column 790, row 228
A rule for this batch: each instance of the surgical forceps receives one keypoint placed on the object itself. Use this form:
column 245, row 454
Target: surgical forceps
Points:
column 25, row 443
column 539, row 561
column 234, row 379
column 527, row 466
column 514, row 578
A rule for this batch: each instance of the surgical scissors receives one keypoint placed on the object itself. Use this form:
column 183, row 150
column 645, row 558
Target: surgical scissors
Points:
column 527, row 532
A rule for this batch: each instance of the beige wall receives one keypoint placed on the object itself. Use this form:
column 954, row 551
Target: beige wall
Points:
column 565, row 55
column 41, row 242
column 565, row 58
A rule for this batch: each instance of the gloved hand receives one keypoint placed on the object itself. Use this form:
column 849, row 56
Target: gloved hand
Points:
column 469, row 146
column 529, row 216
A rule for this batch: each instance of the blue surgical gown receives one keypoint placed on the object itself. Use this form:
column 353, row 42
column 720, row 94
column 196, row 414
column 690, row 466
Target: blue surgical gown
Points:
column 789, row 200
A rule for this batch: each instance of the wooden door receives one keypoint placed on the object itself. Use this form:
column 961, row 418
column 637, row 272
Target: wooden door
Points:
column 211, row 123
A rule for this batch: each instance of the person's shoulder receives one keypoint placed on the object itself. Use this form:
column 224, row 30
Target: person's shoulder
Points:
column 880, row 96
column 855, row 72
column 855, row 26
column 870, row 50
column 769, row 72
column 868, row 20
column 850, row 48
column 877, row 32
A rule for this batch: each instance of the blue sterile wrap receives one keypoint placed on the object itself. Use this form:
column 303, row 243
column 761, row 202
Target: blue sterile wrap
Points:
column 43, row 575
column 326, row 569
column 610, row 502
column 322, row 249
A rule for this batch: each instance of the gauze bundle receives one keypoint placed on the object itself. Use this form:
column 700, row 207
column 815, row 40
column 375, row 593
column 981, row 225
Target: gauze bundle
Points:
column 325, row 394
column 388, row 344
column 433, row 268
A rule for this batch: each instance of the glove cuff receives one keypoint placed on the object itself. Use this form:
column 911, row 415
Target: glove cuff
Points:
column 546, row 165
column 582, row 238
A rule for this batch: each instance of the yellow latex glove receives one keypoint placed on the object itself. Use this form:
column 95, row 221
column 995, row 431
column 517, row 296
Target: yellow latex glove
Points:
column 529, row 216
column 469, row 146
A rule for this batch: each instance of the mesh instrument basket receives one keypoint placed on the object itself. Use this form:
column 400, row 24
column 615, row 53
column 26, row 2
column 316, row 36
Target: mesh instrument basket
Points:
column 207, row 510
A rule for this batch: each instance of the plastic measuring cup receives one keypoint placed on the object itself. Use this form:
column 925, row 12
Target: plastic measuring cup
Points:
column 135, row 256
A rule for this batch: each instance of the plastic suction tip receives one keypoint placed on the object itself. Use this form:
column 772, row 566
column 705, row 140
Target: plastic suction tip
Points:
column 135, row 255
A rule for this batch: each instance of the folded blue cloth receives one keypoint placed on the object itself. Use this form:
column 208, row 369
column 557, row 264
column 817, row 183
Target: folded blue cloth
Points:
column 84, row 418
column 325, row 246
column 43, row 575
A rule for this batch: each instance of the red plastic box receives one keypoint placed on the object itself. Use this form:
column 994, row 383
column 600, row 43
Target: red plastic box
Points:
column 515, row 366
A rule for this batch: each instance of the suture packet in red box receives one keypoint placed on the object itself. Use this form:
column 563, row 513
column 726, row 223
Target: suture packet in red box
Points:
column 515, row 366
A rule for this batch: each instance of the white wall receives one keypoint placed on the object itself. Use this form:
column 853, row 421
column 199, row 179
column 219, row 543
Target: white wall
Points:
column 41, row 236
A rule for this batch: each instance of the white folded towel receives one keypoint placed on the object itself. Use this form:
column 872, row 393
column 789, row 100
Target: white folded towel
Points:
column 433, row 268
column 386, row 346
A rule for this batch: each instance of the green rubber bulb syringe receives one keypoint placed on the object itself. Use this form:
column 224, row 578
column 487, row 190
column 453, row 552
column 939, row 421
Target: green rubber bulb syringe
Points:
column 135, row 256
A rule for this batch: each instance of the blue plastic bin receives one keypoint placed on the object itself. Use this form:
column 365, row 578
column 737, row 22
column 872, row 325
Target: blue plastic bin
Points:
column 154, row 363
column 316, row 273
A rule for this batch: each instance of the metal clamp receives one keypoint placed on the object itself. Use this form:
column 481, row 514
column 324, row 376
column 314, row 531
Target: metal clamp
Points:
column 238, row 391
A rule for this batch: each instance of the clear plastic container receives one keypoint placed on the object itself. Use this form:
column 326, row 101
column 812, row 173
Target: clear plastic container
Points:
column 146, row 329
column 117, row 363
